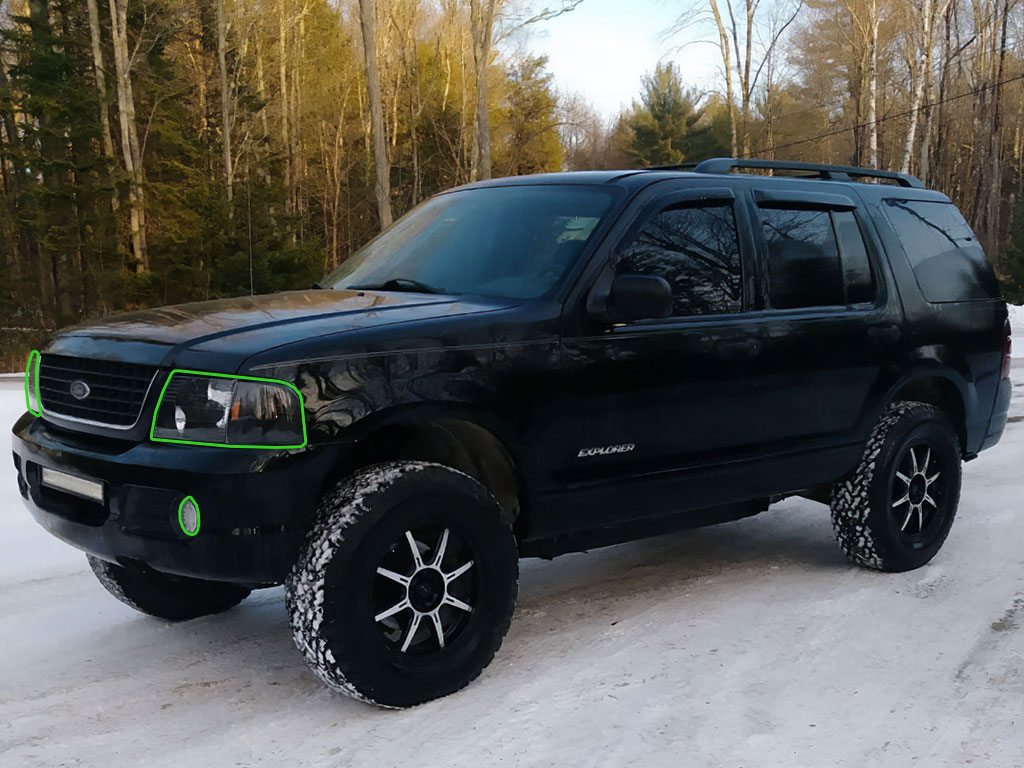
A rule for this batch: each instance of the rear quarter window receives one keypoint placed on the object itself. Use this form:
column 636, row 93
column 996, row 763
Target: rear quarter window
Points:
column 944, row 252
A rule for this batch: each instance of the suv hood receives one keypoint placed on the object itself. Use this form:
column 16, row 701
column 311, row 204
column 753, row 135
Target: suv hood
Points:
column 219, row 335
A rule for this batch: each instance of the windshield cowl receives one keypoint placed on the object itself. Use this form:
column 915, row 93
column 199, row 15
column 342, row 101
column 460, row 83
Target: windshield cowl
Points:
column 399, row 284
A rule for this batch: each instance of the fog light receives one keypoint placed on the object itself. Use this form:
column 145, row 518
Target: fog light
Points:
column 188, row 516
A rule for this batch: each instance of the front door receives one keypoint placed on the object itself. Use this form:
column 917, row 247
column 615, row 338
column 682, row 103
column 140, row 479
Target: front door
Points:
column 658, row 411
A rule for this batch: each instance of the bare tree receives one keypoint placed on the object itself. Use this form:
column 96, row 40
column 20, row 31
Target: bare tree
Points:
column 130, row 146
column 745, row 51
column 872, row 23
column 481, row 24
column 730, row 98
column 7, row 121
column 225, row 105
column 286, row 144
column 101, row 76
column 924, row 165
column 927, row 15
column 382, row 188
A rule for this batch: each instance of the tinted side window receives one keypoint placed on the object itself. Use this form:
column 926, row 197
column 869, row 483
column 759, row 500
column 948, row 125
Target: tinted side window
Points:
column 860, row 283
column 947, row 259
column 696, row 249
column 803, row 259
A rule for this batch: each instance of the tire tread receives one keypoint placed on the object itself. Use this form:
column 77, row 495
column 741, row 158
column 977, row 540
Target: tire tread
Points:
column 338, row 517
column 850, row 503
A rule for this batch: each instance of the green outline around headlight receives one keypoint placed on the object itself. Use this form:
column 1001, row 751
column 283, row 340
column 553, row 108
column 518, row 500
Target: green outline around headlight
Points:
column 160, row 400
column 199, row 517
column 34, row 358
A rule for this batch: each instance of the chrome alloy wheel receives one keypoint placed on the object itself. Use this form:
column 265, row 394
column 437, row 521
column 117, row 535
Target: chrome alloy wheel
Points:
column 423, row 596
column 917, row 490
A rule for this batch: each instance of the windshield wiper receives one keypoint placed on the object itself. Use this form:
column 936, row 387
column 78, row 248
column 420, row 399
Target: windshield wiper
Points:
column 398, row 284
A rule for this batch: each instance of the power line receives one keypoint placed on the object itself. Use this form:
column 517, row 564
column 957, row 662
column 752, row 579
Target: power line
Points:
column 897, row 115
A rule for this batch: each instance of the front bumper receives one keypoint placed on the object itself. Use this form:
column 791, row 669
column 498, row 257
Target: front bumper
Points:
column 255, row 505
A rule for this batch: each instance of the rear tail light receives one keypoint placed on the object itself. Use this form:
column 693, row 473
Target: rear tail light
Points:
column 1004, row 371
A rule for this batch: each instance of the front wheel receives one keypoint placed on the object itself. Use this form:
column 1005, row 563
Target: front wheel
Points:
column 406, row 586
column 895, row 511
column 175, row 598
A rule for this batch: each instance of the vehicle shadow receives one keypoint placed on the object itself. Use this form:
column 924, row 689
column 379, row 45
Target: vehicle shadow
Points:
column 723, row 558
column 718, row 562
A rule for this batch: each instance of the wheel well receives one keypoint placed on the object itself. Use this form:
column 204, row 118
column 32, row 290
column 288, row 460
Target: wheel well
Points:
column 456, row 443
column 943, row 394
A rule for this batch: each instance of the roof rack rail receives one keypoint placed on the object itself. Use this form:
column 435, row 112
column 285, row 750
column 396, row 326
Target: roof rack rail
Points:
column 815, row 170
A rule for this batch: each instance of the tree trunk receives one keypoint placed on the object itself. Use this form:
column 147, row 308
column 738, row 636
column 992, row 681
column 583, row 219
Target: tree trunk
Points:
column 10, row 128
column 53, row 152
column 382, row 187
column 261, row 89
column 101, row 77
column 286, row 143
column 414, row 105
column 936, row 157
column 481, row 24
column 299, row 163
column 225, row 106
column 873, row 84
column 130, row 146
column 930, row 14
column 993, row 208
column 746, row 84
column 918, row 76
column 723, row 44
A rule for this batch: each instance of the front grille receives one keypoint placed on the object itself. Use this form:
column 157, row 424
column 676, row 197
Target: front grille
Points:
column 116, row 391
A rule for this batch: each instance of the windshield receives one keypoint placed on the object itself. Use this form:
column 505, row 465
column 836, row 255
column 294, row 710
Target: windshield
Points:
column 513, row 242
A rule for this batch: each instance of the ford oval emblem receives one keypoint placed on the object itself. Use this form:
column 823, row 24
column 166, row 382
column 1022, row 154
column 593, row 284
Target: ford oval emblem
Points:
column 79, row 389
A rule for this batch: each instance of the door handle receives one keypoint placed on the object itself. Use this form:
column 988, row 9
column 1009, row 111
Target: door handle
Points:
column 738, row 349
column 884, row 334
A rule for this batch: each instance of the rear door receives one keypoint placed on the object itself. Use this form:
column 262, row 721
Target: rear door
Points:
column 828, row 325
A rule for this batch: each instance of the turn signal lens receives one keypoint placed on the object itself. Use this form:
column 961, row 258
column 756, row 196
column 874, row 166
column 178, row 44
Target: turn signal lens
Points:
column 188, row 516
column 32, row 384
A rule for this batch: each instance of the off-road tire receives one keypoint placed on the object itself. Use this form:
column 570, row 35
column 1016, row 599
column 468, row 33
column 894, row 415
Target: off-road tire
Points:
column 331, row 591
column 863, row 516
column 175, row 598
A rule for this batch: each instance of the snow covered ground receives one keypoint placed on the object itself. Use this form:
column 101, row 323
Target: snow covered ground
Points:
column 1017, row 328
column 749, row 644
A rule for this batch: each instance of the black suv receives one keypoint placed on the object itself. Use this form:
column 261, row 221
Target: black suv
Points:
column 526, row 367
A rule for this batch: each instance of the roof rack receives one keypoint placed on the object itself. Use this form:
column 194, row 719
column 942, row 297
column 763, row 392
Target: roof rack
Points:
column 813, row 170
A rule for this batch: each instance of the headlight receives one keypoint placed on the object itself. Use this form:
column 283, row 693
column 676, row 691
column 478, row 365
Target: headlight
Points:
column 32, row 384
column 236, row 411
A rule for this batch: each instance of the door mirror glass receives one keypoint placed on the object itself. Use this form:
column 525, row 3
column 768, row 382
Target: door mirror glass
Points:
column 639, row 297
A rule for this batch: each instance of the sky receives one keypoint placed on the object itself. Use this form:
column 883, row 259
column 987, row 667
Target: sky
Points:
column 603, row 48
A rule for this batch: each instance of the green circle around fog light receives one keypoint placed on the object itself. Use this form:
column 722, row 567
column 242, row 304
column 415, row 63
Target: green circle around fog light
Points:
column 188, row 516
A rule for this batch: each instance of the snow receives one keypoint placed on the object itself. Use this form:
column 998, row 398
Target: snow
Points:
column 1017, row 328
column 748, row 644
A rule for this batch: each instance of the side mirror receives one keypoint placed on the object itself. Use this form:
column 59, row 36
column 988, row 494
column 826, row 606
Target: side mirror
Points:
column 639, row 297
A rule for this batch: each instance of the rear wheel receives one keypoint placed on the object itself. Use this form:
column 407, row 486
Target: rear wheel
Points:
column 160, row 594
column 406, row 586
column 895, row 511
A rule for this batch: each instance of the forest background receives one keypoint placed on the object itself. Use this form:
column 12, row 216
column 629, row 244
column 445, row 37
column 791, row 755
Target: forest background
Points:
column 162, row 151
